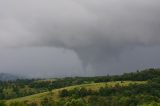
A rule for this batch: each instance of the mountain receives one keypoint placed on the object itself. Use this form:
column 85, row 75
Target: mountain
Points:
column 7, row 77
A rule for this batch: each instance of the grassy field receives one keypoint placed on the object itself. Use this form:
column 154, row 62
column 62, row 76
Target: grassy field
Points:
column 55, row 93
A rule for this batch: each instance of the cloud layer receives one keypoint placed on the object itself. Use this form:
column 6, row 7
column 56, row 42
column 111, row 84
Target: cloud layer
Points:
column 95, row 30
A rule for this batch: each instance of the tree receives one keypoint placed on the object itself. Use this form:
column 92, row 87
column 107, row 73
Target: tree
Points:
column 74, row 102
column 64, row 93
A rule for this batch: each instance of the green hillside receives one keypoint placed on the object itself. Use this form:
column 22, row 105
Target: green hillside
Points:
column 55, row 93
column 141, row 88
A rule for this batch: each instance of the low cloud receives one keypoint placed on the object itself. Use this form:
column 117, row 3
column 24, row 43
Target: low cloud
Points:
column 95, row 30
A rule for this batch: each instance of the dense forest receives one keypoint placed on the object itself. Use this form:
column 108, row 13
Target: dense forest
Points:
column 132, row 94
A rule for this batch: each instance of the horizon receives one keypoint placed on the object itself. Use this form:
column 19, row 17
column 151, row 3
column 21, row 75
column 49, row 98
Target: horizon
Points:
column 18, row 76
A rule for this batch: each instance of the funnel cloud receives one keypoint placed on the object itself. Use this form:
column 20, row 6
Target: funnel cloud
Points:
column 78, row 37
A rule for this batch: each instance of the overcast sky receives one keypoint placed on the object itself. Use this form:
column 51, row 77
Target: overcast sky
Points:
column 41, row 38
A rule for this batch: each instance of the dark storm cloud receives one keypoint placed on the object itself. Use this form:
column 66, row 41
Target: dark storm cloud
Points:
column 96, row 30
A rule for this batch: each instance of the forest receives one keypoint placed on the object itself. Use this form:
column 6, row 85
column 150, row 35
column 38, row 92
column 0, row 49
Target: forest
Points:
column 140, row 88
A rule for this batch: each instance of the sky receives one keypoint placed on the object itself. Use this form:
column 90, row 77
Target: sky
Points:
column 60, row 38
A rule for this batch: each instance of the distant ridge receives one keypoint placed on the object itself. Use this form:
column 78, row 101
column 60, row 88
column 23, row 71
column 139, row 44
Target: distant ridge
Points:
column 8, row 77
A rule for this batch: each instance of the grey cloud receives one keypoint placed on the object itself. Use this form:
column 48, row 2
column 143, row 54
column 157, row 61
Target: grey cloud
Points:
column 96, row 30
column 40, row 62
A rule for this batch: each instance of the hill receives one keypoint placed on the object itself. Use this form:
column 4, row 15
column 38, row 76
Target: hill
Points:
column 55, row 93
column 7, row 77
column 139, row 88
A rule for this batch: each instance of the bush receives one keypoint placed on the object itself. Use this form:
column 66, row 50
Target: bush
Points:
column 74, row 102
column 2, row 103
column 64, row 93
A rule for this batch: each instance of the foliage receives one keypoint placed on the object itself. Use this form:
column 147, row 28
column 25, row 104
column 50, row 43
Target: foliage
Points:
column 82, row 92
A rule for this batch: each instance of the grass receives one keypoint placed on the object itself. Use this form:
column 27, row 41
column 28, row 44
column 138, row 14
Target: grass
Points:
column 55, row 93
